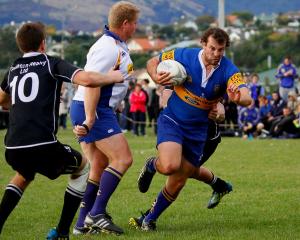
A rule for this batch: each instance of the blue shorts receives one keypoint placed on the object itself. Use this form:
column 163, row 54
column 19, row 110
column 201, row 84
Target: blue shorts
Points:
column 106, row 123
column 192, row 138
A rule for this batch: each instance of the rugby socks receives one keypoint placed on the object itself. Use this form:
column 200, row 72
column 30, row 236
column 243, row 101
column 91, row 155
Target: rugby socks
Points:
column 151, row 165
column 218, row 184
column 72, row 201
column 163, row 201
column 108, row 183
column 213, row 181
column 87, row 201
column 10, row 199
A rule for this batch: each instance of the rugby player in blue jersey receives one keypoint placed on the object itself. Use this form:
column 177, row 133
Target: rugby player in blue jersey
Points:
column 183, row 124
column 219, row 186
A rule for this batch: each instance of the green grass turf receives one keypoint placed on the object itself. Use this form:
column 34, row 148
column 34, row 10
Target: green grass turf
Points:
column 265, row 203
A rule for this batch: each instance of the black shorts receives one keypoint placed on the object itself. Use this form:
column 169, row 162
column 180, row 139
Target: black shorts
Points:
column 209, row 148
column 50, row 160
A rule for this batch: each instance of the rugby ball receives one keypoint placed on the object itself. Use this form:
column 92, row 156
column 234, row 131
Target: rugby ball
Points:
column 176, row 70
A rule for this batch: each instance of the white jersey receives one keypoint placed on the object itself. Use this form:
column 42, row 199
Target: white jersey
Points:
column 108, row 52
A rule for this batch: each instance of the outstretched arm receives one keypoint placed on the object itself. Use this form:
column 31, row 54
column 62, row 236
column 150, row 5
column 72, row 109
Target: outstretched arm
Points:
column 94, row 79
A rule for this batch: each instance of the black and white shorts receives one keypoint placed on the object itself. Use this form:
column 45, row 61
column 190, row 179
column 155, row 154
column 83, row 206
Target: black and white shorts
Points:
column 50, row 160
column 210, row 147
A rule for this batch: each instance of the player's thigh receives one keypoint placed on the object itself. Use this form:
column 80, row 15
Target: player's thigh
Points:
column 68, row 160
column 98, row 160
column 115, row 147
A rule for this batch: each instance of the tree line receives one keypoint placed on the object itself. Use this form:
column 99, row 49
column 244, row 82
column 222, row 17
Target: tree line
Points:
column 249, row 55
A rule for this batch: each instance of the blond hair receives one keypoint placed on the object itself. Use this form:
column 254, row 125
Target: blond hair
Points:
column 120, row 12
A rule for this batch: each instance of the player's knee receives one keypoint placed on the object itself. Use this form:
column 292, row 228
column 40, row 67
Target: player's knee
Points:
column 128, row 161
column 78, row 181
column 169, row 168
column 125, row 161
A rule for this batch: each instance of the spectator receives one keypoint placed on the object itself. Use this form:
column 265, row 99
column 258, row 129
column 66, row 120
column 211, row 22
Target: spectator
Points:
column 125, row 116
column 287, row 74
column 155, row 104
column 148, row 90
column 292, row 101
column 256, row 89
column 63, row 107
column 284, row 126
column 296, row 121
column 277, row 105
column 264, row 110
column 248, row 119
column 137, row 101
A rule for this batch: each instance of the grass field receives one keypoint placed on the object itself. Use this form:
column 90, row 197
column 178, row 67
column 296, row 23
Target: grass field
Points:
column 265, row 203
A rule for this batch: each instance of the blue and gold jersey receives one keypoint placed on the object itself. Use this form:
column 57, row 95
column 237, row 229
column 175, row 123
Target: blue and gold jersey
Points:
column 191, row 101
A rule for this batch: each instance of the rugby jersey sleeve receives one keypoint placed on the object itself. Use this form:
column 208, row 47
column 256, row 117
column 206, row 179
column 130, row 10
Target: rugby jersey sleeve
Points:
column 234, row 76
column 65, row 71
column 101, row 59
column 4, row 84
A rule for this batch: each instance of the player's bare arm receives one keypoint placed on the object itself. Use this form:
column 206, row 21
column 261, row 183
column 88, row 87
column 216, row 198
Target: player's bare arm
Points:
column 240, row 96
column 91, row 98
column 162, row 78
column 94, row 79
column 4, row 99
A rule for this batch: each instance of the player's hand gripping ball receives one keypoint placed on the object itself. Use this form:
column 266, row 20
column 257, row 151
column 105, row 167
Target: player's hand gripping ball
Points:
column 176, row 70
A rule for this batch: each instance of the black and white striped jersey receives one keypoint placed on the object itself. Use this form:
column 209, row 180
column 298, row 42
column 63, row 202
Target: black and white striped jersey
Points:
column 34, row 83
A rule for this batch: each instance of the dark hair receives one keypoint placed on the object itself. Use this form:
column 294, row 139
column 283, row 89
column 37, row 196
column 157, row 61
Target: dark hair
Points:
column 146, row 80
column 30, row 36
column 288, row 57
column 218, row 34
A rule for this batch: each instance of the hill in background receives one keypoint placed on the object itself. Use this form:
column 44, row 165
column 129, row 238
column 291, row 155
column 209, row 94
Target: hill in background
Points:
column 90, row 15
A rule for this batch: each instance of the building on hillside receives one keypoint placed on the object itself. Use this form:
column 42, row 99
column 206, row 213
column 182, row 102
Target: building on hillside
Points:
column 145, row 45
column 268, row 20
column 234, row 20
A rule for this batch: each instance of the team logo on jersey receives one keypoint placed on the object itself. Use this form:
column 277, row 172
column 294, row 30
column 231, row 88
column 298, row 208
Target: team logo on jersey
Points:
column 130, row 68
column 167, row 55
column 194, row 100
column 123, row 53
column 190, row 100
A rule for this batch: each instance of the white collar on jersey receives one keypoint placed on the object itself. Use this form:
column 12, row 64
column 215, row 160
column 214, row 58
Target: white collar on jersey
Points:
column 31, row 54
column 204, row 78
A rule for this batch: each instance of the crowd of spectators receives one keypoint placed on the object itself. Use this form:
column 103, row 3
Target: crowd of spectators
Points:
column 276, row 115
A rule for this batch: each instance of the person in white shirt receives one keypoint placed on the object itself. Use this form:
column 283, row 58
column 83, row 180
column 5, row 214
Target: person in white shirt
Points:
column 93, row 115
